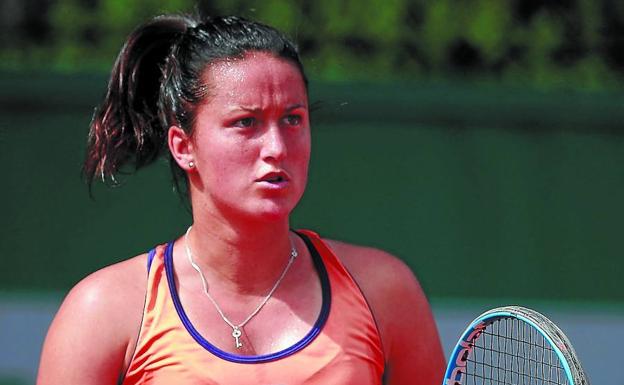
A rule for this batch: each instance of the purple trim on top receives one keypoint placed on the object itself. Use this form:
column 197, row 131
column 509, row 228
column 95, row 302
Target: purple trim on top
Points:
column 316, row 328
column 150, row 258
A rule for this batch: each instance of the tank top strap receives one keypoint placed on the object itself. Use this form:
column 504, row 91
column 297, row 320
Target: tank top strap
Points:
column 150, row 258
column 330, row 259
column 342, row 280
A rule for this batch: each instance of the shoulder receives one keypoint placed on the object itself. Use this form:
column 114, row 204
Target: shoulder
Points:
column 103, row 310
column 114, row 287
column 386, row 281
column 369, row 262
column 404, row 318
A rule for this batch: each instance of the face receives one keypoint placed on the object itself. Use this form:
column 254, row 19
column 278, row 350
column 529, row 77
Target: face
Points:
column 251, row 139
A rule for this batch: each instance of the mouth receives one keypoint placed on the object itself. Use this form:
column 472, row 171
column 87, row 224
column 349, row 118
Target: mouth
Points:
column 274, row 177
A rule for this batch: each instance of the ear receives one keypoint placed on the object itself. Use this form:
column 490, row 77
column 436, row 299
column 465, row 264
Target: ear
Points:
column 181, row 147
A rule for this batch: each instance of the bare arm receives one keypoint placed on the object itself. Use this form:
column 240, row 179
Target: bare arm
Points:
column 409, row 335
column 93, row 333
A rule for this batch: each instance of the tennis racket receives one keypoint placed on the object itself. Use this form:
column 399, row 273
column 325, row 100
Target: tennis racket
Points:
column 513, row 345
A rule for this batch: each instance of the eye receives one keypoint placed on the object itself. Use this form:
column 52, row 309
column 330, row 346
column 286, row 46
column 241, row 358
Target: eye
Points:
column 293, row 119
column 245, row 122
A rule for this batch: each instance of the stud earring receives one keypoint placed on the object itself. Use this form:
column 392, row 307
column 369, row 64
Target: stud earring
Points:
column 191, row 164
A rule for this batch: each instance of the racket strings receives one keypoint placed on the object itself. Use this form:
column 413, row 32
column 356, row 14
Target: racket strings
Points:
column 511, row 352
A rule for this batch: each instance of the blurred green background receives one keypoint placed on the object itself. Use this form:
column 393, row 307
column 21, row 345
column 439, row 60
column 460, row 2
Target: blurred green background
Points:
column 483, row 191
column 481, row 141
column 570, row 44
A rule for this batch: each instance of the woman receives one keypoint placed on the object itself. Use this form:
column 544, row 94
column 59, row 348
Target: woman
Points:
column 240, row 298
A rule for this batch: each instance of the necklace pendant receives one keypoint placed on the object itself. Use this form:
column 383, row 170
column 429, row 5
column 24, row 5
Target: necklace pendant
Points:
column 236, row 333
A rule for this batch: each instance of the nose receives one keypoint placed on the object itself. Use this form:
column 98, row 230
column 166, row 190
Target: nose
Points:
column 273, row 144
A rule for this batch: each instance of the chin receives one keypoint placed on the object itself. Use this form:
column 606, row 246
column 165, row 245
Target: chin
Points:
column 274, row 215
column 274, row 211
column 260, row 209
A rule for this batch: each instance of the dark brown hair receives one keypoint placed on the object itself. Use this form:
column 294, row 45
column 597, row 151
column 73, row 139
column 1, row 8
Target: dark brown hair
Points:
column 156, row 82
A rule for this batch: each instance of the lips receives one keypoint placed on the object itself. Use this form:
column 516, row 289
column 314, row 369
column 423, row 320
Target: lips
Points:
column 275, row 177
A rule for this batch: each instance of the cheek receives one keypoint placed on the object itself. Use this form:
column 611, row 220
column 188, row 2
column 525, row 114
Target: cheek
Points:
column 222, row 157
column 233, row 149
column 305, row 148
column 301, row 160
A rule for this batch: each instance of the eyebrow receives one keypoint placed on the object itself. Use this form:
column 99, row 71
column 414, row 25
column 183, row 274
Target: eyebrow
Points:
column 258, row 109
column 295, row 106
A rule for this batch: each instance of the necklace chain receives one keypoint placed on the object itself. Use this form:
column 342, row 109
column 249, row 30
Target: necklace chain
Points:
column 236, row 333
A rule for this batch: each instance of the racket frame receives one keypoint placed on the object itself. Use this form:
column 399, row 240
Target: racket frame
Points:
column 562, row 347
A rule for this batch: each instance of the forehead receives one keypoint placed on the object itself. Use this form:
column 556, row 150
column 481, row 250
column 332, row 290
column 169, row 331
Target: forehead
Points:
column 256, row 79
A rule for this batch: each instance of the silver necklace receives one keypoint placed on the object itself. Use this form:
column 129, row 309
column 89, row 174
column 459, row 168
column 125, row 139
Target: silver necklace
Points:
column 236, row 329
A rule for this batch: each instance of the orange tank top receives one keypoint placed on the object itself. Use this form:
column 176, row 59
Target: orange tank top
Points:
column 342, row 348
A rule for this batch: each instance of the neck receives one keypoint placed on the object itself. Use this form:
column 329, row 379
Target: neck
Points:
column 243, row 259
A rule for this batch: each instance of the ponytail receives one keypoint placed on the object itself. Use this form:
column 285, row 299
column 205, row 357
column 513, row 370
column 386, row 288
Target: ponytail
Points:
column 126, row 128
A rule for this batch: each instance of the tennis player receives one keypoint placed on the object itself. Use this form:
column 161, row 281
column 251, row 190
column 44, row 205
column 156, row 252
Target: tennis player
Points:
column 240, row 298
